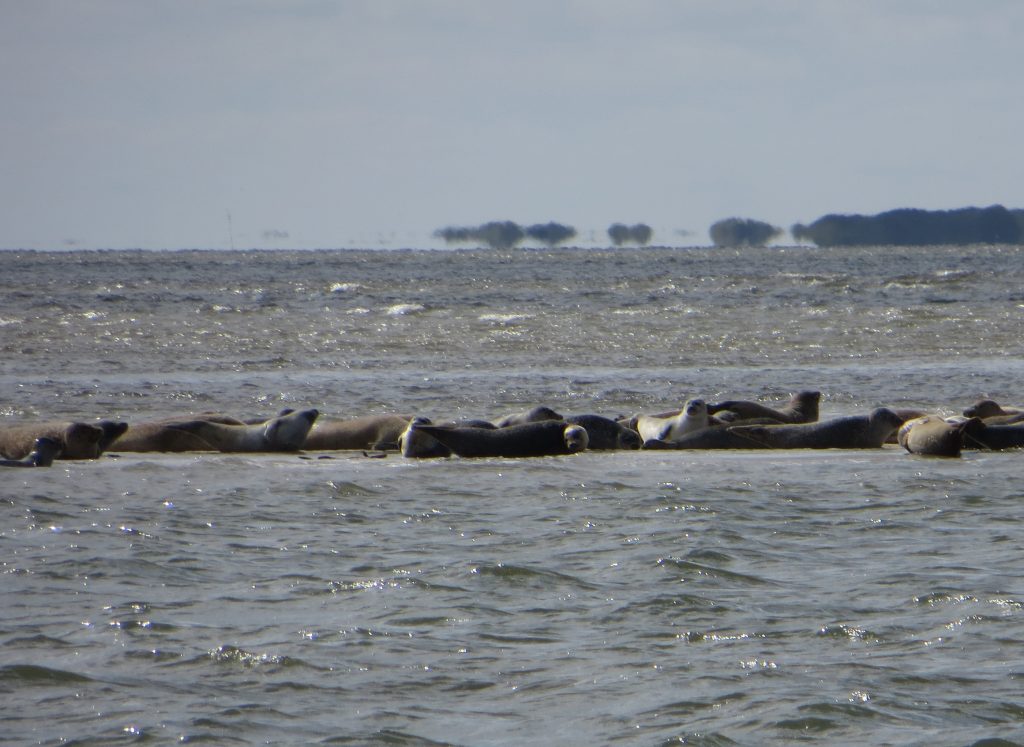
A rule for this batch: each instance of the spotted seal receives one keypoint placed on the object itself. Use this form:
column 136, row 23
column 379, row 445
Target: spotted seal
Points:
column 542, row 438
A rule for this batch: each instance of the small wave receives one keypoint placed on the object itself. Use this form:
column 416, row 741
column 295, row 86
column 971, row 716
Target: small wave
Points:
column 402, row 309
column 503, row 318
column 345, row 287
column 30, row 674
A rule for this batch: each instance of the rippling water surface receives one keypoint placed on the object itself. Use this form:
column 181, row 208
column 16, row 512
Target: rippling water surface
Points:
column 863, row 597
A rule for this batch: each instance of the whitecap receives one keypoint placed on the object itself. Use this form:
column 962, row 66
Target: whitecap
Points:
column 503, row 318
column 345, row 287
column 401, row 309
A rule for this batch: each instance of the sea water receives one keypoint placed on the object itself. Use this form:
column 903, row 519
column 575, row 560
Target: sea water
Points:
column 655, row 598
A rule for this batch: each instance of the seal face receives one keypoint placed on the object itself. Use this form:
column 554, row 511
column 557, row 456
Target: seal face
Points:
column 543, row 438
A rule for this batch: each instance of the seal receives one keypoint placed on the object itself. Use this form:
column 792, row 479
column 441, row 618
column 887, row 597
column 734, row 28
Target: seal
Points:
column 693, row 417
column 853, row 432
column 415, row 443
column 606, row 434
column 76, row 440
column 534, row 415
column 801, row 408
column 932, row 435
column 993, row 413
column 542, row 438
column 44, row 452
column 376, row 432
column 285, row 433
column 994, row 437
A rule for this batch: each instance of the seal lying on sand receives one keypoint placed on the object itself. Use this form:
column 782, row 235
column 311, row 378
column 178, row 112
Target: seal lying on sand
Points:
column 45, row 451
column 853, row 432
column 693, row 417
column 994, row 414
column 534, row 415
column 931, row 435
column 801, row 408
column 994, row 437
column 365, row 432
column 285, row 433
column 543, row 438
column 76, row 440
column 415, row 443
column 604, row 433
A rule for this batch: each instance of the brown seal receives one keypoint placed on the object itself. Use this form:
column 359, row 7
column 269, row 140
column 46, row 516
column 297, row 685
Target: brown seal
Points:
column 932, row 435
column 42, row 455
column 284, row 433
column 542, row 438
column 801, row 408
column 993, row 413
column 365, row 432
column 76, row 440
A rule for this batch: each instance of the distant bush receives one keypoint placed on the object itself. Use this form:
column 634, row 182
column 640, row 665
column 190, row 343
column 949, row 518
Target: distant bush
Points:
column 915, row 227
column 496, row 234
column 743, row 232
column 551, row 234
column 620, row 234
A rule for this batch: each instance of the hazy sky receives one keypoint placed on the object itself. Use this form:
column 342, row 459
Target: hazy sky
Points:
column 340, row 123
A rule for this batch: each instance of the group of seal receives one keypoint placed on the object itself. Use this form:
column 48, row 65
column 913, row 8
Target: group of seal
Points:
column 539, row 431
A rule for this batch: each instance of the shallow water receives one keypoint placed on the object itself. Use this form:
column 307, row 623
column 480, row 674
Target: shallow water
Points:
column 641, row 598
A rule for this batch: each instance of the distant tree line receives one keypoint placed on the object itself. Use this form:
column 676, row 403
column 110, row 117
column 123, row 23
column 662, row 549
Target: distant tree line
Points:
column 915, row 227
column 507, row 234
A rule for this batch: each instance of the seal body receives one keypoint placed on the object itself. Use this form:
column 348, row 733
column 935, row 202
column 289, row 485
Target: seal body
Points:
column 42, row 455
column 802, row 408
column 542, row 438
column 284, row 433
column 605, row 434
column 76, row 440
column 365, row 432
column 931, row 435
column 993, row 413
column 995, row 437
column 693, row 417
column 852, row 432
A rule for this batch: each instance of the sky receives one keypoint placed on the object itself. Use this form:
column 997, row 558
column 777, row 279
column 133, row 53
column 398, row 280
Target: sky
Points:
column 373, row 123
